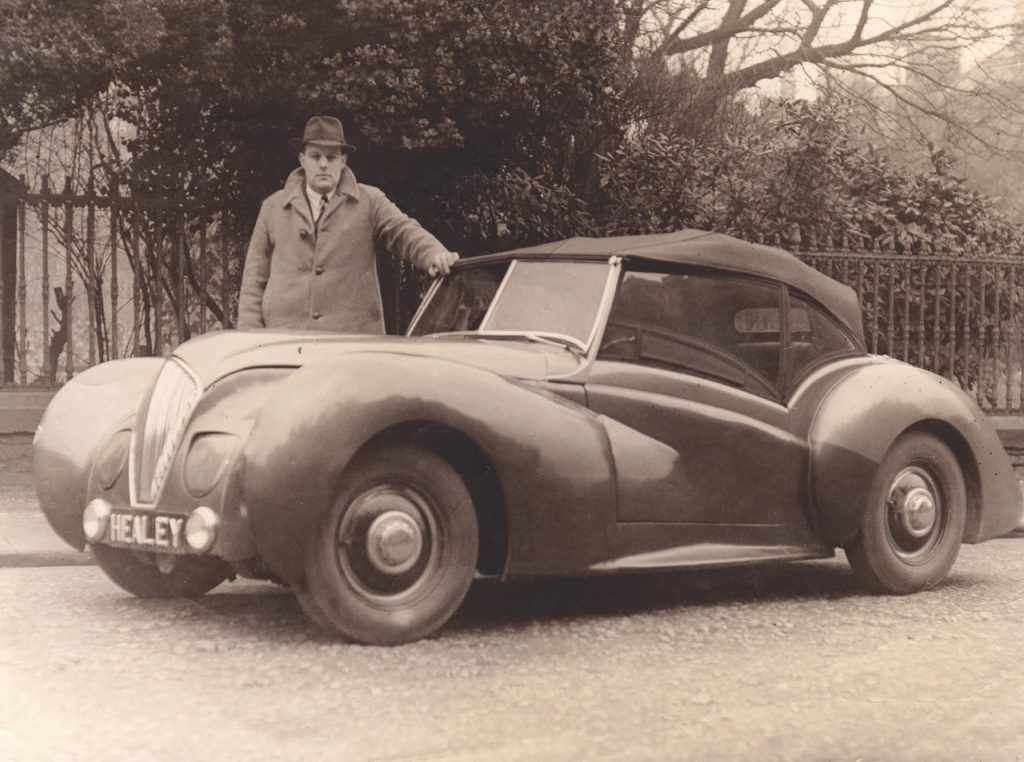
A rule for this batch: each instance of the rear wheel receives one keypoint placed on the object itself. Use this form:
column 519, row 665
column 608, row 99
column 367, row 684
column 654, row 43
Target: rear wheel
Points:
column 914, row 521
column 179, row 577
column 395, row 554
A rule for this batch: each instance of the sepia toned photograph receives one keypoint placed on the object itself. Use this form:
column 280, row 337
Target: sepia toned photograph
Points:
column 512, row 381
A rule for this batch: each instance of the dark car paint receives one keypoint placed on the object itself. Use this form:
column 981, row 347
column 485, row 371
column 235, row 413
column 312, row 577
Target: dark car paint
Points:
column 558, row 498
column 707, row 434
column 80, row 418
column 557, row 462
column 851, row 413
column 215, row 355
column 230, row 407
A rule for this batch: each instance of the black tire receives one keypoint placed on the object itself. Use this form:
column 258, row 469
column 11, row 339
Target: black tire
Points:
column 914, row 519
column 312, row 608
column 189, row 577
column 396, row 552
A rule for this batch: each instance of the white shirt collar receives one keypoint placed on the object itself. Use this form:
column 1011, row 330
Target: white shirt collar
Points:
column 314, row 198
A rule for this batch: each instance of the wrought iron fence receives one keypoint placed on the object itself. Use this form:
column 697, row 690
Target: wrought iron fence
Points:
column 102, row 276
column 960, row 318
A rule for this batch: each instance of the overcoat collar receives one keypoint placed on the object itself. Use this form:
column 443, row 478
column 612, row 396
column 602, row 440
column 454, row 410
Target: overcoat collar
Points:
column 296, row 194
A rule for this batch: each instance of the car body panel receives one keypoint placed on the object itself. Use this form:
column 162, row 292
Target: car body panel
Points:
column 220, row 354
column 853, row 413
column 558, row 497
column 76, row 423
column 715, row 433
column 596, row 464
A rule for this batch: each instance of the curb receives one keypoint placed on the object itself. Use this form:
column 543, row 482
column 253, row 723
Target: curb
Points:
column 26, row 539
column 33, row 560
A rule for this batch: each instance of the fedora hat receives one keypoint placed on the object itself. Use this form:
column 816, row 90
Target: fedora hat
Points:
column 325, row 130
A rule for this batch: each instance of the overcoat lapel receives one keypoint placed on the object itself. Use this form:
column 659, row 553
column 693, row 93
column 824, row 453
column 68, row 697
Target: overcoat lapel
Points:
column 298, row 202
column 347, row 188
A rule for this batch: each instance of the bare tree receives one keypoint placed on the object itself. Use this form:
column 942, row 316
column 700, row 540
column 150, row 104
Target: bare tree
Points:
column 921, row 65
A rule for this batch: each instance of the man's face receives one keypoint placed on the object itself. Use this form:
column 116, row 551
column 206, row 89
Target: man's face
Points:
column 323, row 166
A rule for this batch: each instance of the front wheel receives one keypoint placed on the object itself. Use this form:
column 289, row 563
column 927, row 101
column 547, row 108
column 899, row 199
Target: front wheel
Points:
column 914, row 520
column 180, row 577
column 396, row 552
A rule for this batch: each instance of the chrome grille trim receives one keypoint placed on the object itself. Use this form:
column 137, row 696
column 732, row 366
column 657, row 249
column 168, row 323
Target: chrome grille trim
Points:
column 157, row 435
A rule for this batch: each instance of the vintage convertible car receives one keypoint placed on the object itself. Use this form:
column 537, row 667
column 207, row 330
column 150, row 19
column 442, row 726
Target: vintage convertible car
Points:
column 591, row 405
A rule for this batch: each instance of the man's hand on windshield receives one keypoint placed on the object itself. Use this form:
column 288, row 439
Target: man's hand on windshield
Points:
column 442, row 263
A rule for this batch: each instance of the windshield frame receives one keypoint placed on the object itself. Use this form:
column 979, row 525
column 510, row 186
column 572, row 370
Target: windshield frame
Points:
column 583, row 347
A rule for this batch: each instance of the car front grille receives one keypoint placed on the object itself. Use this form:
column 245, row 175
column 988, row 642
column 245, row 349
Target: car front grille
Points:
column 159, row 430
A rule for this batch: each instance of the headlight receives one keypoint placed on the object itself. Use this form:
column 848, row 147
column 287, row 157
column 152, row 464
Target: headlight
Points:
column 201, row 528
column 95, row 519
column 112, row 458
column 206, row 460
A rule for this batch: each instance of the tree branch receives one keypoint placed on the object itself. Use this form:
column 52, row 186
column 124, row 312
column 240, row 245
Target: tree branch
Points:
column 674, row 45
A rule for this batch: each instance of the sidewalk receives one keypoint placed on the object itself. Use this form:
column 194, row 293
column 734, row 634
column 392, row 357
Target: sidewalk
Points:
column 26, row 539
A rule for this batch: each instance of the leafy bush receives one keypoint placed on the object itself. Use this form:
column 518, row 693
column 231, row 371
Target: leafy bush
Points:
column 799, row 174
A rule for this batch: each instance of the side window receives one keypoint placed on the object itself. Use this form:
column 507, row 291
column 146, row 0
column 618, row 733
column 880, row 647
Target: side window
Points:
column 813, row 336
column 719, row 326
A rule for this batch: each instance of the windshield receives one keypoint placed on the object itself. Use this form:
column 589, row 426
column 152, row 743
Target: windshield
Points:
column 521, row 297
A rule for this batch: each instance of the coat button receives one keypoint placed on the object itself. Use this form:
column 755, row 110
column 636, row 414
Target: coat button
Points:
column 316, row 315
column 303, row 233
column 318, row 270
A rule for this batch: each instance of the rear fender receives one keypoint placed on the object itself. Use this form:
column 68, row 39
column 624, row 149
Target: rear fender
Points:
column 864, row 413
column 80, row 417
column 550, row 454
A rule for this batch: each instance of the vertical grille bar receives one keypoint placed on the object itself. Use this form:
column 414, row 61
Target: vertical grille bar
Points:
column 175, row 395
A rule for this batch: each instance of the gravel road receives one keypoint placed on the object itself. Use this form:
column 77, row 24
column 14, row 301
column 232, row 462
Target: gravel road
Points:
column 776, row 663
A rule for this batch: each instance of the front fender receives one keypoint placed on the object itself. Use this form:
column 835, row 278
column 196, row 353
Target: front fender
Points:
column 77, row 421
column 550, row 454
column 862, row 415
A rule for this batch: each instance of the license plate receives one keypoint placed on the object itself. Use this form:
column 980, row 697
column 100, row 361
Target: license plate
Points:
column 147, row 530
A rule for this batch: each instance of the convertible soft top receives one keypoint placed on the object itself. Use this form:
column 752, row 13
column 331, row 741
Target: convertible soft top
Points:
column 720, row 251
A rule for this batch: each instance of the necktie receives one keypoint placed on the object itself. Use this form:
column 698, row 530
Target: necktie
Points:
column 320, row 211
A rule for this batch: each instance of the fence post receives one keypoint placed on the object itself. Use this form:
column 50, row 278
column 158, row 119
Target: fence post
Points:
column 5, row 377
column 202, row 266
column 225, row 270
column 997, row 331
column 158, row 277
column 90, row 266
column 136, row 276
column 180, row 294
column 115, row 215
column 22, row 293
column 44, row 213
column 890, row 307
column 952, row 321
column 69, row 284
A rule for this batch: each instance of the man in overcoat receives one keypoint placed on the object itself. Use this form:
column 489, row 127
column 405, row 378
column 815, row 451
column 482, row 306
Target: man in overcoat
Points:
column 311, row 263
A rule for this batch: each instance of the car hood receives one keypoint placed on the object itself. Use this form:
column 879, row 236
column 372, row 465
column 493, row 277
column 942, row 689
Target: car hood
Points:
column 216, row 355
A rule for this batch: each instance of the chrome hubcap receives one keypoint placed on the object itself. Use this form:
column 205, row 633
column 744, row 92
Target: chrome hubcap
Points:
column 394, row 542
column 387, row 543
column 914, row 510
column 917, row 512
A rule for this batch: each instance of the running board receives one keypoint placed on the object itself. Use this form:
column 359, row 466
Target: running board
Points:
column 712, row 554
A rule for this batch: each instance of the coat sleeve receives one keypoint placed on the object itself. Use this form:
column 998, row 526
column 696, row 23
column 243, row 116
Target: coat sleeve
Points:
column 399, row 234
column 254, row 275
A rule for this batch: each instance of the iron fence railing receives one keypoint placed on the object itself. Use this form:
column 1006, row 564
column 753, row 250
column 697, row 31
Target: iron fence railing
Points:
column 102, row 276
column 960, row 318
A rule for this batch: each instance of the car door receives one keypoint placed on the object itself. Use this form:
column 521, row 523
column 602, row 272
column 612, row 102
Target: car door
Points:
column 688, row 376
